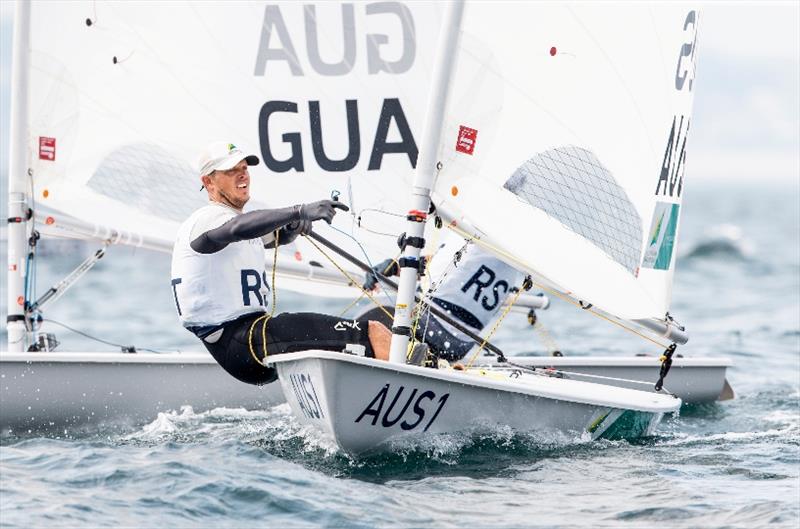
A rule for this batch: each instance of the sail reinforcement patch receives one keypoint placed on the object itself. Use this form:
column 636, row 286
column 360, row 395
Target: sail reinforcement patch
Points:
column 571, row 185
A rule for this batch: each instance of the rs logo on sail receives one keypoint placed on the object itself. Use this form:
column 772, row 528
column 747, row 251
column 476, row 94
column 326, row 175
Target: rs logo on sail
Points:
column 412, row 415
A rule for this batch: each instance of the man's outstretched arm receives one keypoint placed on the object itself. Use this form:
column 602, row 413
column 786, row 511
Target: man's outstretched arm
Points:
column 255, row 224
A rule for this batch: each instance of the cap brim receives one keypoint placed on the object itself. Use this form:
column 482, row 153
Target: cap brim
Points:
column 232, row 161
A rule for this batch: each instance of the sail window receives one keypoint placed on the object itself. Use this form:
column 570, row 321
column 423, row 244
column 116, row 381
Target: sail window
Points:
column 571, row 185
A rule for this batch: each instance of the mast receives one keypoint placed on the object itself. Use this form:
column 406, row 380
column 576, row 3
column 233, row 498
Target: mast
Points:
column 18, row 211
column 413, row 240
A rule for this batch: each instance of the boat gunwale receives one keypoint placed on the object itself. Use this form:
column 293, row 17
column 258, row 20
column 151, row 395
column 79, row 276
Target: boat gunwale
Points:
column 622, row 361
column 546, row 387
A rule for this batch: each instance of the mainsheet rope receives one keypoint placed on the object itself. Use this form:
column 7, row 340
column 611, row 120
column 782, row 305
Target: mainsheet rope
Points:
column 363, row 293
column 265, row 317
column 355, row 283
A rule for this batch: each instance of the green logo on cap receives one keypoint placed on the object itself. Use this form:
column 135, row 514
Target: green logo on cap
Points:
column 231, row 147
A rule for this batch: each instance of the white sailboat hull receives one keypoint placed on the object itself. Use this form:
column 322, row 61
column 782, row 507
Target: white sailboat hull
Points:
column 60, row 389
column 45, row 391
column 368, row 405
column 694, row 380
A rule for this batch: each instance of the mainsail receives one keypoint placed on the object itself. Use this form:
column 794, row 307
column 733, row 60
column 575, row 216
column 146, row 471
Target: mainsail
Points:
column 124, row 95
column 564, row 147
column 564, row 142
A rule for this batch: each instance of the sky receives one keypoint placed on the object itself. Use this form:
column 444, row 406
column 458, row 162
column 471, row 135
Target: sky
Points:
column 746, row 123
column 747, row 106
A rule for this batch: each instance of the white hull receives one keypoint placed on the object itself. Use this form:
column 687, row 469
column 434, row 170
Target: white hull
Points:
column 54, row 390
column 694, row 380
column 41, row 391
column 367, row 405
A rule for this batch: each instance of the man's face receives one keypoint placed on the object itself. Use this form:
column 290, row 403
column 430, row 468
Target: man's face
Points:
column 231, row 187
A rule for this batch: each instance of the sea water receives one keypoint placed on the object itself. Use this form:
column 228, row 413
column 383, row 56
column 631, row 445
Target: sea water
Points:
column 728, row 464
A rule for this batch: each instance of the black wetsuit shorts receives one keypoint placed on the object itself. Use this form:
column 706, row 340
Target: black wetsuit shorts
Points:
column 286, row 333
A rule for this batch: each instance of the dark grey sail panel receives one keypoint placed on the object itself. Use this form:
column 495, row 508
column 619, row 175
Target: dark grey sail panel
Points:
column 148, row 178
column 571, row 185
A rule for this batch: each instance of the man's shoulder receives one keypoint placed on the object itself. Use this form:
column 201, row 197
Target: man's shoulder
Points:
column 213, row 209
column 208, row 217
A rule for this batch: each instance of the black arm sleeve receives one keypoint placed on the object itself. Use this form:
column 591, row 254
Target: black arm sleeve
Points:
column 284, row 237
column 247, row 226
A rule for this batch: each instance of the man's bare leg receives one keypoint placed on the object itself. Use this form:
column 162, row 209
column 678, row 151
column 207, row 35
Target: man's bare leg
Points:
column 380, row 337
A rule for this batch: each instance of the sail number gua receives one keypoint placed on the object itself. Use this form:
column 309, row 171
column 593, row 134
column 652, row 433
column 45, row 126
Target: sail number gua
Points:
column 277, row 49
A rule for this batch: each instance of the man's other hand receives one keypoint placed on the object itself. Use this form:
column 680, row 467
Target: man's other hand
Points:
column 388, row 267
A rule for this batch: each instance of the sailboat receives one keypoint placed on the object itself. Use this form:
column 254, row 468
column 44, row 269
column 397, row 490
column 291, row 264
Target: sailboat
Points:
column 107, row 116
column 517, row 156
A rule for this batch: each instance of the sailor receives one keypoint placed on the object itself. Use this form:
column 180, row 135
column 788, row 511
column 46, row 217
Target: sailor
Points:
column 220, row 284
column 472, row 291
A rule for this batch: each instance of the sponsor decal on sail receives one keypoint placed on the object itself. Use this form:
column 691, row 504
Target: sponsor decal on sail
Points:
column 47, row 148
column 466, row 139
column 661, row 240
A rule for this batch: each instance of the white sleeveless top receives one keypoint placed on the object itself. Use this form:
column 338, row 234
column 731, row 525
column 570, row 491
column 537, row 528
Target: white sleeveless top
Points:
column 474, row 291
column 210, row 289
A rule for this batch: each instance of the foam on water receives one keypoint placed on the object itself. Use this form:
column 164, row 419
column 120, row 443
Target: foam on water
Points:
column 779, row 433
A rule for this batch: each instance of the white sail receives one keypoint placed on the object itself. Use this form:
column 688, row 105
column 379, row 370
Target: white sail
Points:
column 565, row 145
column 123, row 95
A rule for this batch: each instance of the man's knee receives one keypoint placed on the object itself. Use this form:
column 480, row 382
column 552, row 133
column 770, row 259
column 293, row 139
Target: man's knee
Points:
column 241, row 365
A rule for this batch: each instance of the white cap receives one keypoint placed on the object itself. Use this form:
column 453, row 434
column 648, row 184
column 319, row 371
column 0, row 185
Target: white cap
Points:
column 221, row 156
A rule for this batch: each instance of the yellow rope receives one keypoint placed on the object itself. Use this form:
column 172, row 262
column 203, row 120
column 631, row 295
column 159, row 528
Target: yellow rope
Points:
column 546, row 337
column 351, row 305
column 349, row 278
column 265, row 317
column 495, row 327
column 362, row 296
column 556, row 293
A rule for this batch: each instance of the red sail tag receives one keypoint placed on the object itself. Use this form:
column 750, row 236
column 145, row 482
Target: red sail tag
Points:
column 466, row 139
column 47, row 148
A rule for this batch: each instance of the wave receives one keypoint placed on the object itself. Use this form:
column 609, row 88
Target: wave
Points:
column 723, row 241
column 788, row 433
column 486, row 451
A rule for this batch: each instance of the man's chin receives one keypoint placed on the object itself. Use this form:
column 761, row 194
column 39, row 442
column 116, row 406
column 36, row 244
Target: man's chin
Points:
column 239, row 202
